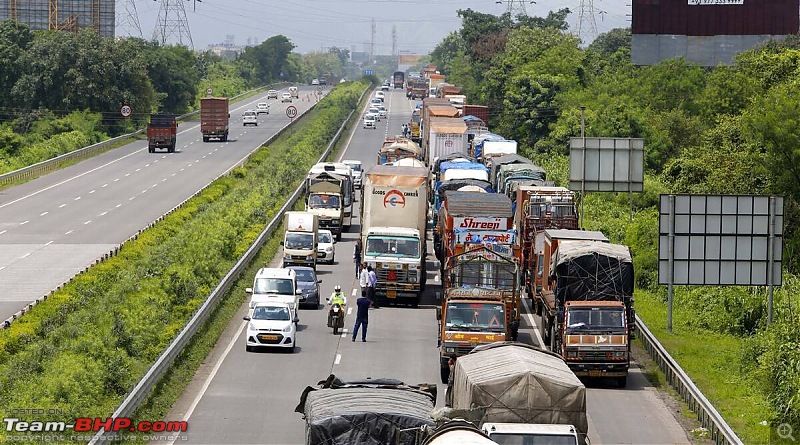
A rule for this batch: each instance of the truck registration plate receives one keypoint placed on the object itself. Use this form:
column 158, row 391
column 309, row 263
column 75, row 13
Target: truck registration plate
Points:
column 391, row 294
column 595, row 373
column 267, row 337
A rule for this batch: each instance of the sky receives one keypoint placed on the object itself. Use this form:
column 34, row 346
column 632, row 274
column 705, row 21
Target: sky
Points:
column 314, row 25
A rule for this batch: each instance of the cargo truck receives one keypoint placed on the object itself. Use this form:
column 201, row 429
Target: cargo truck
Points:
column 214, row 118
column 293, row 92
column 325, row 198
column 479, row 111
column 393, row 224
column 346, row 173
column 397, row 148
column 445, row 135
column 480, row 304
column 399, row 79
column 526, row 395
column 300, row 239
column 586, row 305
column 162, row 132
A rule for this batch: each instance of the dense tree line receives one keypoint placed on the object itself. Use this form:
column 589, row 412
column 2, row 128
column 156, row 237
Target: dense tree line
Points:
column 727, row 130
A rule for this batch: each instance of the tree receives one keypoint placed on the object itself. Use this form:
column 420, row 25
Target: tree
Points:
column 269, row 58
column 15, row 38
column 172, row 70
column 610, row 42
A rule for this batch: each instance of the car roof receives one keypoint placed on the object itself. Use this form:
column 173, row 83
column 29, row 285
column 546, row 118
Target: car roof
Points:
column 271, row 303
column 324, row 231
column 275, row 272
column 351, row 162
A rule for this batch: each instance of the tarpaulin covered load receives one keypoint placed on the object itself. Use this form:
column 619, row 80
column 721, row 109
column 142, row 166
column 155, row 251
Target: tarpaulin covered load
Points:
column 374, row 412
column 518, row 383
column 593, row 271
column 511, row 158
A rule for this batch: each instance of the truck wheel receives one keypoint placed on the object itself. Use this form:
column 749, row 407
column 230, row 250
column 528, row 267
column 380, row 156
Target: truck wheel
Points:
column 225, row 138
column 151, row 150
column 205, row 138
column 444, row 373
column 622, row 381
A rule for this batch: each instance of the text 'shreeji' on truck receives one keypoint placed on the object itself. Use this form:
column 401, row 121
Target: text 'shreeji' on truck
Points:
column 162, row 132
column 586, row 303
column 393, row 223
column 214, row 118
column 300, row 239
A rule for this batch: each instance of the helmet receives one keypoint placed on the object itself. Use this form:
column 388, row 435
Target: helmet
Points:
column 337, row 288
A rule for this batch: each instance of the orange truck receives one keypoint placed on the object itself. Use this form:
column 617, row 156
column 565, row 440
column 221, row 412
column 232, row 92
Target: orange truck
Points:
column 480, row 304
column 162, row 132
column 214, row 118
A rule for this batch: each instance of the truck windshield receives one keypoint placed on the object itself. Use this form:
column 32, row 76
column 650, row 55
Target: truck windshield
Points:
column 281, row 286
column 485, row 274
column 593, row 318
column 399, row 246
column 475, row 317
column 324, row 202
column 299, row 241
column 533, row 439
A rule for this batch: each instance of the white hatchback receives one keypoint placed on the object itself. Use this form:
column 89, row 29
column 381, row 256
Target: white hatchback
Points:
column 270, row 325
column 250, row 117
column 376, row 112
column 369, row 121
column 326, row 250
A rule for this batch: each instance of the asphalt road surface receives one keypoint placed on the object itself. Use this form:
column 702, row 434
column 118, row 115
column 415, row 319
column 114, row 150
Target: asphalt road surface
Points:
column 249, row 398
column 54, row 227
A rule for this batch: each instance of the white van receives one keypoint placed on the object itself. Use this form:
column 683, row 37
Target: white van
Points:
column 275, row 284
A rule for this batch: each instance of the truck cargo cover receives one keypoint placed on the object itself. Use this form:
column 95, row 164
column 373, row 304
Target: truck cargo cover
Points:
column 477, row 204
column 369, row 414
column 518, row 383
column 593, row 271
column 448, row 125
column 390, row 175
column 511, row 158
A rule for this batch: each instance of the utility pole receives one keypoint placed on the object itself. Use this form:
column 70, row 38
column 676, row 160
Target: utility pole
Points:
column 394, row 41
column 586, row 19
column 515, row 7
column 128, row 18
column 172, row 23
column 372, row 43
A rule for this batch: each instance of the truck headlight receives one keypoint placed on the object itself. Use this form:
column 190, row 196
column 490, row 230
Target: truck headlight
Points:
column 572, row 354
column 287, row 256
column 620, row 354
column 450, row 350
column 310, row 257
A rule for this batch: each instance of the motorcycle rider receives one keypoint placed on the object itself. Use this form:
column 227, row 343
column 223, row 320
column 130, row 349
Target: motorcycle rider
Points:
column 337, row 297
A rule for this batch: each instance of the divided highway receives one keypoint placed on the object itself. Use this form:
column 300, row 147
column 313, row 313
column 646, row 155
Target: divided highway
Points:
column 248, row 398
column 53, row 227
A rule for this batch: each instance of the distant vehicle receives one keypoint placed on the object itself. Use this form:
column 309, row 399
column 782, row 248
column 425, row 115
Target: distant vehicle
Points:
column 398, row 79
column 286, row 97
column 214, row 118
column 270, row 325
column 380, row 95
column 308, row 283
column 376, row 112
column 275, row 284
column 272, row 94
column 294, row 92
column 375, row 101
column 162, row 132
column 382, row 111
column 369, row 121
column 326, row 251
column 262, row 108
column 315, row 82
column 384, row 87
column 357, row 171
column 250, row 117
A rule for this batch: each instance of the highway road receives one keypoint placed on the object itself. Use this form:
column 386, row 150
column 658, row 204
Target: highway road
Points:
column 249, row 398
column 53, row 227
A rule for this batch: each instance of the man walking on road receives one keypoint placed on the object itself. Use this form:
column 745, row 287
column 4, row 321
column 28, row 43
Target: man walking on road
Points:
column 363, row 277
column 362, row 316
column 373, row 281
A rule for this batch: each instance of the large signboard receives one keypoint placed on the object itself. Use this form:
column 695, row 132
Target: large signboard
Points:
column 606, row 164
column 480, row 223
column 720, row 240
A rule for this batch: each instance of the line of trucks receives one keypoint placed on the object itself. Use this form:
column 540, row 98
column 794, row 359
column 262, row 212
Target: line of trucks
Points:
column 162, row 131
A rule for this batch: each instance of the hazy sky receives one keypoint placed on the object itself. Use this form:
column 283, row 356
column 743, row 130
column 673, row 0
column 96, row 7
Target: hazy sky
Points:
column 315, row 24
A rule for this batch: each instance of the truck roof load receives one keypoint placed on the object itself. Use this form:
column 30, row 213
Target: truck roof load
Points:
column 448, row 125
column 477, row 204
column 397, row 175
column 369, row 412
column 518, row 383
column 593, row 271
column 511, row 158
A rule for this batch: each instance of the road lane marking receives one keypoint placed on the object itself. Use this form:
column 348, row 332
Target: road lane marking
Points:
column 62, row 206
column 116, row 180
column 105, row 185
column 138, row 169
column 104, row 214
column 147, row 165
column 23, row 223
column 349, row 311
column 43, row 213
column 529, row 313
column 4, row 231
column 118, row 206
column 338, row 359
column 25, row 256
column 127, row 174
column 2, row 267
column 48, row 243
column 353, row 293
column 67, row 233
column 87, row 222
column 77, row 198
column 131, row 198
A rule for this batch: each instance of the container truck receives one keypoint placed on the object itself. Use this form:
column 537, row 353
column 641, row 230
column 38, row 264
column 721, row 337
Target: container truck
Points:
column 586, row 305
column 325, row 198
column 398, row 79
column 479, row 111
column 445, row 136
column 480, row 304
column 214, row 118
column 162, row 132
column 345, row 171
column 300, row 239
column 393, row 224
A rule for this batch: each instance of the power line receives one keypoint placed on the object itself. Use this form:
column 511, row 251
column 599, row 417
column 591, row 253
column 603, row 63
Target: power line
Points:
column 128, row 18
column 172, row 23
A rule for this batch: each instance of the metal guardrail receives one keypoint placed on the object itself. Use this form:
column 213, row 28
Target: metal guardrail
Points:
column 165, row 360
column 44, row 167
column 721, row 432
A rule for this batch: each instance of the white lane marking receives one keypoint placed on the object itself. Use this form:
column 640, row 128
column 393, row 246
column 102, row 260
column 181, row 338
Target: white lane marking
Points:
column 62, row 206
column 353, row 294
column 183, row 169
column 163, row 179
column 147, row 165
column 144, row 191
column 116, row 180
column 127, row 174
column 92, row 191
column 87, row 222
column 26, row 255
column 43, row 213
column 138, row 169
column 23, row 223
column 173, row 174
column 210, row 377
column 4, row 231
column 349, row 311
column 67, row 233
column 105, row 185
column 338, row 359
column 48, row 243
column 204, row 157
column 533, row 323
column 131, row 198
column 118, row 206
column 2, row 267
column 76, row 199
column 104, row 214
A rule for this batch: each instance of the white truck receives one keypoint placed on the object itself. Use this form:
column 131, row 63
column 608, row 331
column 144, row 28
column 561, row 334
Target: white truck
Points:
column 300, row 239
column 345, row 171
column 393, row 222
column 445, row 136
column 276, row 284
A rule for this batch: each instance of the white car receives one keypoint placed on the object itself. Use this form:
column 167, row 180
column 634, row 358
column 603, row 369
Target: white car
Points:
column 376, row 112
column 276, row 284
column 249, row 117
column 380, row 95
column 326, row 251
column 382, row 111
column 357, row 171
column 286, row 97
column 384, row 87
column 376, row 101
column 272, row 94
column 262, row 107
column 369, row 121
column 315, row 82
column 270, row 324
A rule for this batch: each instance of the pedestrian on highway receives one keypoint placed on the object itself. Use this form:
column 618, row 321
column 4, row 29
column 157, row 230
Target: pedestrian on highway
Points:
column 362, row 316
column 363, row 277
column 371, row 284
column 357, row 256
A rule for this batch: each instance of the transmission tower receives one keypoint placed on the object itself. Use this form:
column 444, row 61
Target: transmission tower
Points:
column 586, row 19
column 128, row 18
column 515, row 7
column 372, row 42
column 172, row 24
column 394, row 41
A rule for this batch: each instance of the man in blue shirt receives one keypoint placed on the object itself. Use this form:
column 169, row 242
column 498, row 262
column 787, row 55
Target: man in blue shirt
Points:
column 362, row 316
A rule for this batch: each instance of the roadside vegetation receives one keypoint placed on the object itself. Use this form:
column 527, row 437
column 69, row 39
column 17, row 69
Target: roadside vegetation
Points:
column 723, row 130
column 81, row 350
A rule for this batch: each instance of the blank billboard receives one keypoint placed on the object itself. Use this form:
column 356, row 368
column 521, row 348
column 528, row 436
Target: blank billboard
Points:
column 606, row 164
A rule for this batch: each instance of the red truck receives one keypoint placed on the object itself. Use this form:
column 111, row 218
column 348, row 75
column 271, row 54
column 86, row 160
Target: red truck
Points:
column 214, row 117
column 162, row 132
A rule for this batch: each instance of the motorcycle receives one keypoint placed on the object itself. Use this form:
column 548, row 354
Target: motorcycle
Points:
column 336, row 318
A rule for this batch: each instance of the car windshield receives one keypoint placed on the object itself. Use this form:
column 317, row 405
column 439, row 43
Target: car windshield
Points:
column 281, row 286
column 324, row 202
column 325, row 238
column 396, row 246
column 270, row 313
column 475, row 316
column 299, row 240
column 305, row 275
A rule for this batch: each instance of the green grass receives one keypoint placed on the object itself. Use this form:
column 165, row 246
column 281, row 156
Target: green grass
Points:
column 713, row 362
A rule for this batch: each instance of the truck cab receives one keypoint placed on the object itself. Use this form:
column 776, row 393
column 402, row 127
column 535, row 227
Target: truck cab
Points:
column 162, row 132
column 531, row 433
column 396, row 254
column 345, row 175
column 276, row 284
column 300, row 239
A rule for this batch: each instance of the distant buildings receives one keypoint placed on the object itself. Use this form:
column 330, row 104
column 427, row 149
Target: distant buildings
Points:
column 63, row 15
